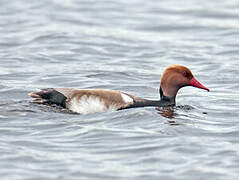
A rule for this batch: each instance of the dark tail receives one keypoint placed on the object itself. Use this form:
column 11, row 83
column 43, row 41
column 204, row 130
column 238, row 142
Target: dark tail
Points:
column 49, row 96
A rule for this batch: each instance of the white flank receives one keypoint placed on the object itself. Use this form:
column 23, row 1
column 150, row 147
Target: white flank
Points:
column 91, row 104
column 126, row 98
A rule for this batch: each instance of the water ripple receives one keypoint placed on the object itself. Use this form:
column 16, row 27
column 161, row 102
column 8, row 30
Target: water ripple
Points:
column 121, row 45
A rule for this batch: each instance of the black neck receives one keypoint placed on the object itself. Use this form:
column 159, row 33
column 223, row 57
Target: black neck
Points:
column 163, row 102
column 166, row 98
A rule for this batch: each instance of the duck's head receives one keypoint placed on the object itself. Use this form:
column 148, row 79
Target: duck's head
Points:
column 175, row 77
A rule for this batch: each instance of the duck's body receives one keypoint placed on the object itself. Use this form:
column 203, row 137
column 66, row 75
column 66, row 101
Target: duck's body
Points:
column 85, row 101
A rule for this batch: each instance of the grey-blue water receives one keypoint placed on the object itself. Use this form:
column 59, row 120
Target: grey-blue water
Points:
column 123, row 45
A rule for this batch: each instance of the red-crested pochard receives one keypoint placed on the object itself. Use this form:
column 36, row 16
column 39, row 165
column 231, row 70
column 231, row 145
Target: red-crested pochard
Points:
column 86, row 101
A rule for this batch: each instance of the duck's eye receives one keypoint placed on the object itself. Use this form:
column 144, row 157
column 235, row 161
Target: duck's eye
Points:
column 185, row 74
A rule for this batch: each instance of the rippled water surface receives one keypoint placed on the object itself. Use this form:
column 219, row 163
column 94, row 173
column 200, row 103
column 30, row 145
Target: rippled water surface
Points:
column 122, row 45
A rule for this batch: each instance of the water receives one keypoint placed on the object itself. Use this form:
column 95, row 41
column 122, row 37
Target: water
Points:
column 122, row 45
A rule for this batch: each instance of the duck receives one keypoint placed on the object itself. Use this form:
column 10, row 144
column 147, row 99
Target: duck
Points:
column 86, row 101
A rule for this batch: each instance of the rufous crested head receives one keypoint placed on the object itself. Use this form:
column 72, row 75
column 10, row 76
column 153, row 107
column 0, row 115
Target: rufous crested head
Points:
column 175, row 77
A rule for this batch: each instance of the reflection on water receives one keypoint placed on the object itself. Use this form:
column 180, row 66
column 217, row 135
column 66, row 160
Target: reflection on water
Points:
column 120, row 45
column 171, row 113
column 167, row 112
